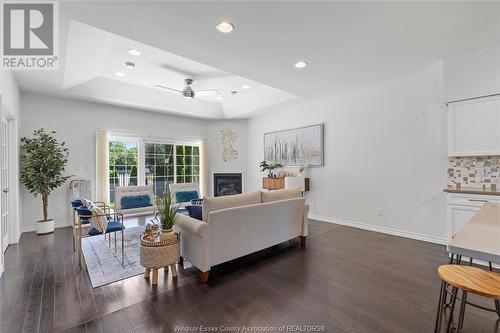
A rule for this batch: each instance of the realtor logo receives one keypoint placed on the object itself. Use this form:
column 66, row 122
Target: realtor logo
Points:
column 30, row 35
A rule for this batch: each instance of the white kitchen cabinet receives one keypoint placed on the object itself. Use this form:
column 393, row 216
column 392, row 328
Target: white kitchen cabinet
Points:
column 472, row 74
column 474, row 127
column 461, row 208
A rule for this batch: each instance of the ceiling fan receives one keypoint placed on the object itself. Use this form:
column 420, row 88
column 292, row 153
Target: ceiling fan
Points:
column 188, row 92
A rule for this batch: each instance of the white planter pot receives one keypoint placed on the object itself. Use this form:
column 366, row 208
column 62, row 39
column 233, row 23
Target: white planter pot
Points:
column 44, row 227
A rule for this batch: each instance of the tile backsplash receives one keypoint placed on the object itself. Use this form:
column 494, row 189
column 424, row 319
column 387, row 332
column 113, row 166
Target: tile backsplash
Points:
column 474, row 171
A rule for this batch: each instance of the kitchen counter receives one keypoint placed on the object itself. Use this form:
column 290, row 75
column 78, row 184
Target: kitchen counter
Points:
column 480, row 237
column 472, row 190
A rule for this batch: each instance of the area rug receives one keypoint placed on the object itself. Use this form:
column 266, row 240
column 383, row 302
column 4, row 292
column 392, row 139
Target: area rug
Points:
column 105, row 265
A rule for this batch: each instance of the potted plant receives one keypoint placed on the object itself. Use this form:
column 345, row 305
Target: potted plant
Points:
column 264, row 166
column 43, row 161
column 168, row 214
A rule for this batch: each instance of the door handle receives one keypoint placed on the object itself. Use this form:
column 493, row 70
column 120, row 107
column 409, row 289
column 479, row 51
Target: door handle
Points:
column 5, row 190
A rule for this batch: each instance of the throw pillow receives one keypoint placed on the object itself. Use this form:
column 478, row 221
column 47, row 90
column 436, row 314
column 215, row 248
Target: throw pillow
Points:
column 135, row 201
column 185, row 196
column 195, row 211
column 98, row 220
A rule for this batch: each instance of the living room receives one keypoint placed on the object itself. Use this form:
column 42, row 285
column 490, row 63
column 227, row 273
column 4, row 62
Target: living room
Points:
column 340, row 156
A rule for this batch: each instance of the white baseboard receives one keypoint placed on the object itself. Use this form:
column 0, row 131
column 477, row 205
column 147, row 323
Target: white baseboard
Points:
column 384, row 230
column 59, row 224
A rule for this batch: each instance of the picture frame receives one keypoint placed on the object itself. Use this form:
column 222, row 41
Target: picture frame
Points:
column 296, row 147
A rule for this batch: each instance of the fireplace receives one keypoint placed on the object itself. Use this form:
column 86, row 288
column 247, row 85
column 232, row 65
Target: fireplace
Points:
column 227, row 184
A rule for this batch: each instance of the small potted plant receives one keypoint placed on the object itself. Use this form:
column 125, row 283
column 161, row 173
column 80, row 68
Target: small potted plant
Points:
column 264, row 166
column 168, row 214
column 43, row 161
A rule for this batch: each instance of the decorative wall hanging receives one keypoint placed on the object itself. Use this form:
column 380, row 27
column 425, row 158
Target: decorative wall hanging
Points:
column 228, row 139
column 295, row 147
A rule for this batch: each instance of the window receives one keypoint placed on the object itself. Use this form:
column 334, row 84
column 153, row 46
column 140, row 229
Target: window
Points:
column 158, row 164
column 188, row 164
column 122, row 165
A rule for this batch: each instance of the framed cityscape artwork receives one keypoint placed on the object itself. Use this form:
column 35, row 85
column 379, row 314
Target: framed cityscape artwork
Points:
column 295, row 147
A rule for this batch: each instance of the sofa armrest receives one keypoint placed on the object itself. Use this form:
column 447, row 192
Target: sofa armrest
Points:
column 305, row 221
column 195, row 241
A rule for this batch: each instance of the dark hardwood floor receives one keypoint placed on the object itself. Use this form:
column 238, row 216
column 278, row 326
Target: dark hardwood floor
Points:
column 346, row 279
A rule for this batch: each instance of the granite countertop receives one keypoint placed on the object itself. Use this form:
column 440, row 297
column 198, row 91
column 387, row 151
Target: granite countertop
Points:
column 473, row 190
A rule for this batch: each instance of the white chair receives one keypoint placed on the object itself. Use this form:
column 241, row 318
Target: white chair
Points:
column 128, row 191
column 183, row 187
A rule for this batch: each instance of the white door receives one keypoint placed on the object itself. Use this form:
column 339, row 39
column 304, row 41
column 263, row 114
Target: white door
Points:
column 4, row 181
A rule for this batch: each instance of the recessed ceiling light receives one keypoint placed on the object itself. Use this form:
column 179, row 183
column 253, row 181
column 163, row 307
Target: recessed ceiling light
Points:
column 300, row 64
column 134, row 52
column 129, row 65
column 224, row 27
column 219, row 98
column 119, row 74
column 245, row 86
column 233, row 92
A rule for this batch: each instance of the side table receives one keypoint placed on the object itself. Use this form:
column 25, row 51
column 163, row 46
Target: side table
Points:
column 161, row 251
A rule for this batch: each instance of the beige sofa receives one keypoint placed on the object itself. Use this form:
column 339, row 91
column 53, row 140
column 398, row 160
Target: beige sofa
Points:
column 237, row 225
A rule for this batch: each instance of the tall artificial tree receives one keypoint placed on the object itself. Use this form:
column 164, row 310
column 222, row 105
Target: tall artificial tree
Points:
column 43, row 161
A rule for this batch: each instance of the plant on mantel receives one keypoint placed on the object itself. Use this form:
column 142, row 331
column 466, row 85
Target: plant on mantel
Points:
column 264, row 166
column 43, row 161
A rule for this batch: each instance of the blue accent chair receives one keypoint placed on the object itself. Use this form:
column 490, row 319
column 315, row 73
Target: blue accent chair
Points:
column 115, row 224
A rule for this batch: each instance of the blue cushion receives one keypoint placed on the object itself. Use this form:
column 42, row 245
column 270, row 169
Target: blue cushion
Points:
column 112, row 227
column 76, row 203
column 195, row 211
column 186, row 196
column 135, row 201
column 82, row 210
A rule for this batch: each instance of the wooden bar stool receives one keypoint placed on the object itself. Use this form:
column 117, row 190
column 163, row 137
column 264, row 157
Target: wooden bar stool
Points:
column 470, row 280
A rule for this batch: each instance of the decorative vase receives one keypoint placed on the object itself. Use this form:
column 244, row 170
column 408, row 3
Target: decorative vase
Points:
column 167, row 234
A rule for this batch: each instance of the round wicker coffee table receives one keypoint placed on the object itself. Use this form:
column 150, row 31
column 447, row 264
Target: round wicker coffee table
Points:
column 160, row 252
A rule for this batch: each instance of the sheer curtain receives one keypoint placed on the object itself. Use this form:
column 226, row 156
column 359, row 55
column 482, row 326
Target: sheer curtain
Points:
column 102, row 166
column 204, row 168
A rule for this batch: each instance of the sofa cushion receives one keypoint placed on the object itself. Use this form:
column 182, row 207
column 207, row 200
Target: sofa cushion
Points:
column 195, row 211
column 186, row 196
column 275, row 195
column 216, row 203
column 135, row 201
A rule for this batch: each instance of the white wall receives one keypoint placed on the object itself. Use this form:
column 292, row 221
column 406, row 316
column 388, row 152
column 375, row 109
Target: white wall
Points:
column 215, row 162
column 385, row 147
column 76, row 123
column 10, row 109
